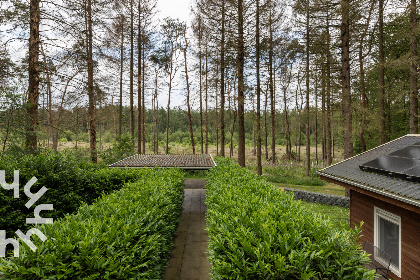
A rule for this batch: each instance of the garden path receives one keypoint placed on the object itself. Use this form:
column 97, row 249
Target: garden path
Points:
column 188, row 258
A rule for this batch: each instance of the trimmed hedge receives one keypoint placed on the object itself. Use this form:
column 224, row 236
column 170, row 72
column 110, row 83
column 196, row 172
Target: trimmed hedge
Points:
column 70, row 182
column 125, row 235
column 259, row 232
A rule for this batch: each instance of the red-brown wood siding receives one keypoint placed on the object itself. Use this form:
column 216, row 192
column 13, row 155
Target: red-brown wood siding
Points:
column 362, row 209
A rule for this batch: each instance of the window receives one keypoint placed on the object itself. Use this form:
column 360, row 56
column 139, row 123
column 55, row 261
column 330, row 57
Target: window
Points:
column 388, row 238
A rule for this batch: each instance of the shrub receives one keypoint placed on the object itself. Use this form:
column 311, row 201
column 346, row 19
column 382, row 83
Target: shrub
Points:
column 292, row 172
column 258, row 232
column 70, row 182
column 125, row 235
column 120, row 150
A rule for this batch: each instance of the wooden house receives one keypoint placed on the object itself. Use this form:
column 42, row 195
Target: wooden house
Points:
column 384, row 185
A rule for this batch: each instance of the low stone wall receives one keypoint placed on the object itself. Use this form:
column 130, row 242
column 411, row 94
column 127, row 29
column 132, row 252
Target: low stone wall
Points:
column 321, row 198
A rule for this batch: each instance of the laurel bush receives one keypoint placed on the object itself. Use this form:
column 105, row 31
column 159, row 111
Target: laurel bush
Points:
column 259, row 232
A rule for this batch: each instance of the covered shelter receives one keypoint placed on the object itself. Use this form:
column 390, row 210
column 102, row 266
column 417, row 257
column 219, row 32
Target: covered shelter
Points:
column 188, row 162
column 384, row 185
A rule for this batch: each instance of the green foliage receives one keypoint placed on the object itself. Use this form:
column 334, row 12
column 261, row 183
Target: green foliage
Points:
column 125, row 235
column 293, row 173
column 12, row 116
column 69, row 180
column 120, row 150
column 259, row 232
column 339, row 216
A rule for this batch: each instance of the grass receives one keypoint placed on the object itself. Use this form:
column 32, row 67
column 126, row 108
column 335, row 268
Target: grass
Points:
column 196, row 174
column 328, row 188
column 339, row 216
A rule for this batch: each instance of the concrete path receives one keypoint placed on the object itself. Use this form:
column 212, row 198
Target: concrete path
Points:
column 188, row 258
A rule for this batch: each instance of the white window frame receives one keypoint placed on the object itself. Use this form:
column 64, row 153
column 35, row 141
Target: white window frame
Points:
column 380, row 213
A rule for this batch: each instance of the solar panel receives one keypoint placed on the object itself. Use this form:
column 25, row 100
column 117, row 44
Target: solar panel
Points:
column 404, row 163
column 407, row 152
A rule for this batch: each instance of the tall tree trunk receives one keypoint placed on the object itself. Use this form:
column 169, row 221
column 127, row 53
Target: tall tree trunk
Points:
column 33, row 89
column 121, row 79
column 200, row 58
column 254, row 151
column 300, row 123
column 316, row 119
column 308, row 136
column 241, row 96
column 286, row 118
column 346, row 94
column 362, row 83
column 381, row 74
column 222, row 84
column 329, row 79
column 323, row 116
column 132, row 71
column 414, row 101
column 139, row 83
column 157, row 113
column 235, row 114
column 91, row 93
column 188, row 91
column 169, row 102
column 272, row 94
column 143, row 95
column 49, row 94
column 257, row 30
column 217, row 115
column 265, row 125
column 206, row 114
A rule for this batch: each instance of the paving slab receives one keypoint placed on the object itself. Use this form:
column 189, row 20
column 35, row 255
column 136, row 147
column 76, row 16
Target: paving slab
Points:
column 189, row 258
column 195, row 184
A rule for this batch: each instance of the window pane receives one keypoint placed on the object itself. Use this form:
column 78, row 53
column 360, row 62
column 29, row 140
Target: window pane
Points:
column 388, row 240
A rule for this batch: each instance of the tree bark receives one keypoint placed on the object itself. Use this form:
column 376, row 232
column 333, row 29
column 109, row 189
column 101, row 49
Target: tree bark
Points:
column 265, row 125
column 200, row 73
column 222, row 84
column 33, row 89
column 91, row 93
column 143, row 95
column 139, row 84
column 328, row 85
column 257, row 30
column 121, row 79
column 206, row 114
column 188, row 91
column 363, row 83
column 308, row 136
column 132, row 72
column 414, row 101
column 272, row 94
column 381, row 74
column 241, row 96
column 345, row 73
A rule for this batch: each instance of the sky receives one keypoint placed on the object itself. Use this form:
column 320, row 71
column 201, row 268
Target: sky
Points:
column 175, row 9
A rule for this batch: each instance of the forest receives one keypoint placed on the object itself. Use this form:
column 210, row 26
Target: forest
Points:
column 314, row 81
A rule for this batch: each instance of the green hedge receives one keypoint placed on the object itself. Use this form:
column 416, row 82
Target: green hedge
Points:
column 125, row 235
column 70, row 182
column 258, row 232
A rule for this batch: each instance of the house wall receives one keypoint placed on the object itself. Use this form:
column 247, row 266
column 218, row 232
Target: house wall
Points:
column 362, row 209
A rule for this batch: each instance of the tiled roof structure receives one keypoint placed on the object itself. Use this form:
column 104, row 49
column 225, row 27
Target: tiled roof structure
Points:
column 199, row 161
column 348, row 172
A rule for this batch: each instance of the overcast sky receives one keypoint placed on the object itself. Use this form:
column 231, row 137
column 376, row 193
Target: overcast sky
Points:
column 175, row 8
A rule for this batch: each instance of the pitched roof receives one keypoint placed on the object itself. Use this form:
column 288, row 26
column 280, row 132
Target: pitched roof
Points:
column 198, row 161
column 348, row 172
